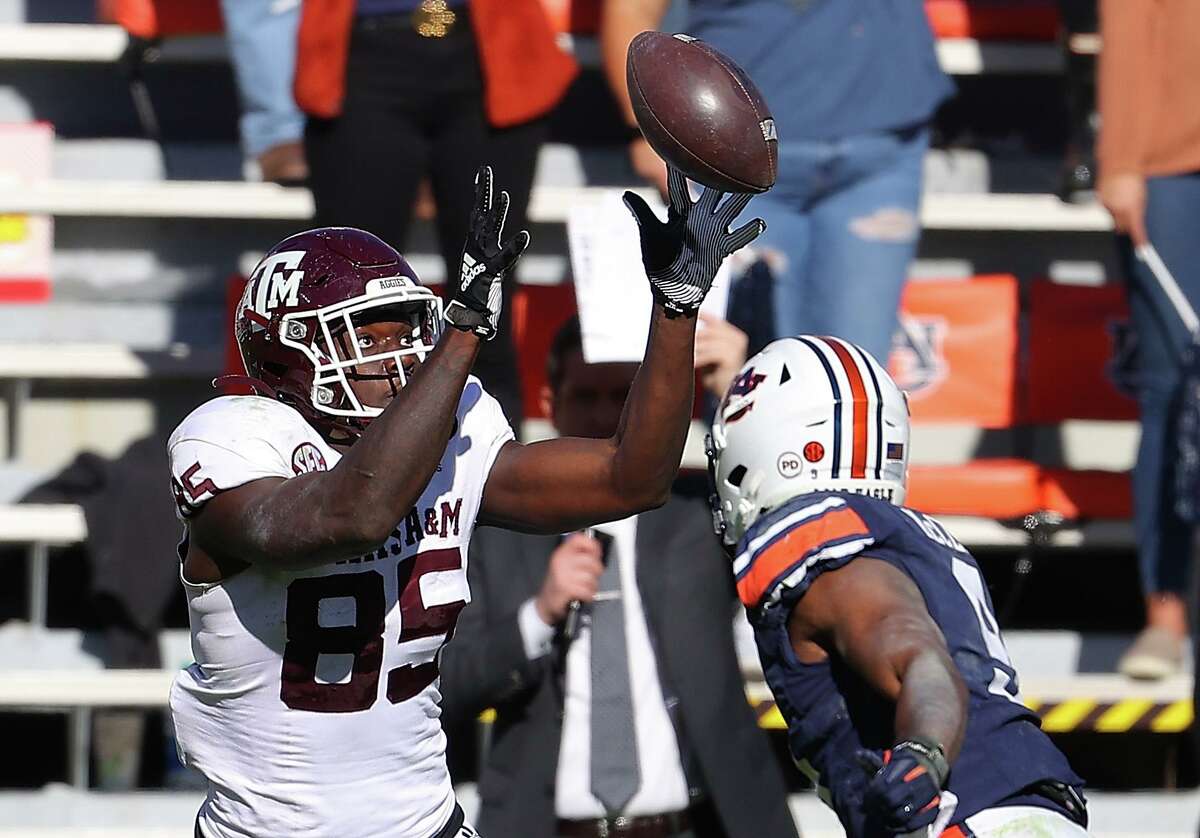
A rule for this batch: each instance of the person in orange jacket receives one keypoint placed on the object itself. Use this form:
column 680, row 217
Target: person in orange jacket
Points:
column 397, row 91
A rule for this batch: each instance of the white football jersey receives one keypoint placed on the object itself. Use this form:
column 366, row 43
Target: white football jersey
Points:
column 312, row 707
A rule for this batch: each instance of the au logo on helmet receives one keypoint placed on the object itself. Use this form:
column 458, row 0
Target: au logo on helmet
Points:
column 746, row 383
column 737, row 404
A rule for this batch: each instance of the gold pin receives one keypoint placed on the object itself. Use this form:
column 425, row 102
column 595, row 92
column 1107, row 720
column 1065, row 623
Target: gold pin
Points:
column 433, row 19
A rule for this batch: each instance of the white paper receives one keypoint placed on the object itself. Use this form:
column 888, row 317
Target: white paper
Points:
column 26, row 241
column 611, row 289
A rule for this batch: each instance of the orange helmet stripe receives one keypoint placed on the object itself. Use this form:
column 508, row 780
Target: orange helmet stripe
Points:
column 858, row 392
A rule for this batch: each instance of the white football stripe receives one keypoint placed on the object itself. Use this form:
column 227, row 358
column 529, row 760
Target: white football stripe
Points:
column 837, row 551
column 779, row 526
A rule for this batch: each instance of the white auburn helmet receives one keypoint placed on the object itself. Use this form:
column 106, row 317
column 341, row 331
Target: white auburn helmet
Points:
column 806, row 414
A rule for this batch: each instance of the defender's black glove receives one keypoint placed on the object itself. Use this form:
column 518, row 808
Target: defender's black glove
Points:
column 906, row 785
column 475, row 298
column 681, row 257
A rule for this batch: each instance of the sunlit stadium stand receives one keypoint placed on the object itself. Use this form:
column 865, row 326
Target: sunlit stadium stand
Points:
column 147, row 235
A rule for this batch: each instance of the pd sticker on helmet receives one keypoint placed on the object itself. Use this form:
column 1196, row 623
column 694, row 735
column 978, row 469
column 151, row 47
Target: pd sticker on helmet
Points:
column 789, row 464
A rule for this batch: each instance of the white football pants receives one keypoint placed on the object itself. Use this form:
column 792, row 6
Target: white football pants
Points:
column 1023, row 822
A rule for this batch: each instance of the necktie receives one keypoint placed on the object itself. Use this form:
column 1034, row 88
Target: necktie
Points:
column 615, row 774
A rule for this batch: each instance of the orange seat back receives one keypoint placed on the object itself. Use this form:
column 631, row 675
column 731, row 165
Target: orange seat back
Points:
column 576, row 17
column 1080, row 495
column 995, row 20
column 1003, row 489
column 163, row 18
column 1071, row 346
column 957, row 355
column 538, row 311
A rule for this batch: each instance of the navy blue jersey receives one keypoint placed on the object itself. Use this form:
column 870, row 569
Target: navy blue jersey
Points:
column 831, row 712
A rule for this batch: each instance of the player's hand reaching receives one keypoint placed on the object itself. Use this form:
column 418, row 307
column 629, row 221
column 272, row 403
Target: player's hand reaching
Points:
column 487, row 259
column 906, row 785
column 682, row 255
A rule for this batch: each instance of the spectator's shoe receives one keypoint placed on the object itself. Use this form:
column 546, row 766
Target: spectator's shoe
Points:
column 1156, row 653
column 284, row 164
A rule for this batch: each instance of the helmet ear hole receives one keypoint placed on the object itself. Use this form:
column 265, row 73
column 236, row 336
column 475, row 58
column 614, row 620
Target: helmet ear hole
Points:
column 737, row 476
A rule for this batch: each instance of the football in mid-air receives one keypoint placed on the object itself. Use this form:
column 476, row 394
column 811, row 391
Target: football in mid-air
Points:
column 701, row 113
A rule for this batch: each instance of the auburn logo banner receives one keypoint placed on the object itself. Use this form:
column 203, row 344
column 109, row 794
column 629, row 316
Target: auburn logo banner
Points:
column 955, row 351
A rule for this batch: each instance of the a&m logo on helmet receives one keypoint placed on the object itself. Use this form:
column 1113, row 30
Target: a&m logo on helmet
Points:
column 275, row 282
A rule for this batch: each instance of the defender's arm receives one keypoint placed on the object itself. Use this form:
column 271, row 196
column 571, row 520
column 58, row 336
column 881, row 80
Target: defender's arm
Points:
column 315, row 518
column 872, row 616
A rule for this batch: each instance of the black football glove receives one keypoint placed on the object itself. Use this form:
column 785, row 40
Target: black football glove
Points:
column 682, row 256
column 475, row 297
column 906, row 785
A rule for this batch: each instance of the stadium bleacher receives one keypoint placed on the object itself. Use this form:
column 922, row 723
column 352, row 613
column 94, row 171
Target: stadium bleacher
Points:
column 147, row 234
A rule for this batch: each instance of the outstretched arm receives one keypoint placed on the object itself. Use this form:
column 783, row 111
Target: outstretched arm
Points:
column 874, row 618
column 566, row 483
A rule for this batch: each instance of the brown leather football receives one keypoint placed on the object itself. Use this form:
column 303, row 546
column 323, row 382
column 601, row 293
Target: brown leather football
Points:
column 701, row 113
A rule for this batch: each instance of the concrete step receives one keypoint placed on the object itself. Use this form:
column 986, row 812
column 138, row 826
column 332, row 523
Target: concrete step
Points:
column 1058, row 664
column 948, row 171
column 967, row 212
column 58, row 811
column 62, row 669
column 28, row 648
column 75, row 42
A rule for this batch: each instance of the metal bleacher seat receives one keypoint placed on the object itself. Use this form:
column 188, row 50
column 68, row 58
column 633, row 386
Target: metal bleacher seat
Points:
column 1056, row 376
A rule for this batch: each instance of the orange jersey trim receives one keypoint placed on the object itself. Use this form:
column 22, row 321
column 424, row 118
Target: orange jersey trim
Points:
column 798, row 543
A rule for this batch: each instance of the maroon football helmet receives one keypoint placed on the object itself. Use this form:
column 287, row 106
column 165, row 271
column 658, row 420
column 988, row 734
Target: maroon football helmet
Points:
column 296, row 319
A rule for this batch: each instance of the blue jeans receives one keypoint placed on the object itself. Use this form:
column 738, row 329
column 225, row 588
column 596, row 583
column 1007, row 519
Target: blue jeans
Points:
column 842, row 228
column 262, row 44
column 1163, row 539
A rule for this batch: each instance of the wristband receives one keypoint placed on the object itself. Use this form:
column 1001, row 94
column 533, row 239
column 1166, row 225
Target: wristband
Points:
column 929, row 753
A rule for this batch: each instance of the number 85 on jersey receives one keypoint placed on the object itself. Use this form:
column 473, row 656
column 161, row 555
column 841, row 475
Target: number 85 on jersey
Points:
column 335, row 645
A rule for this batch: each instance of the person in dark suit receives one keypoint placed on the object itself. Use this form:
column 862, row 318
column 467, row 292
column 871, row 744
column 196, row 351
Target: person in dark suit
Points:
column 620, row 637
